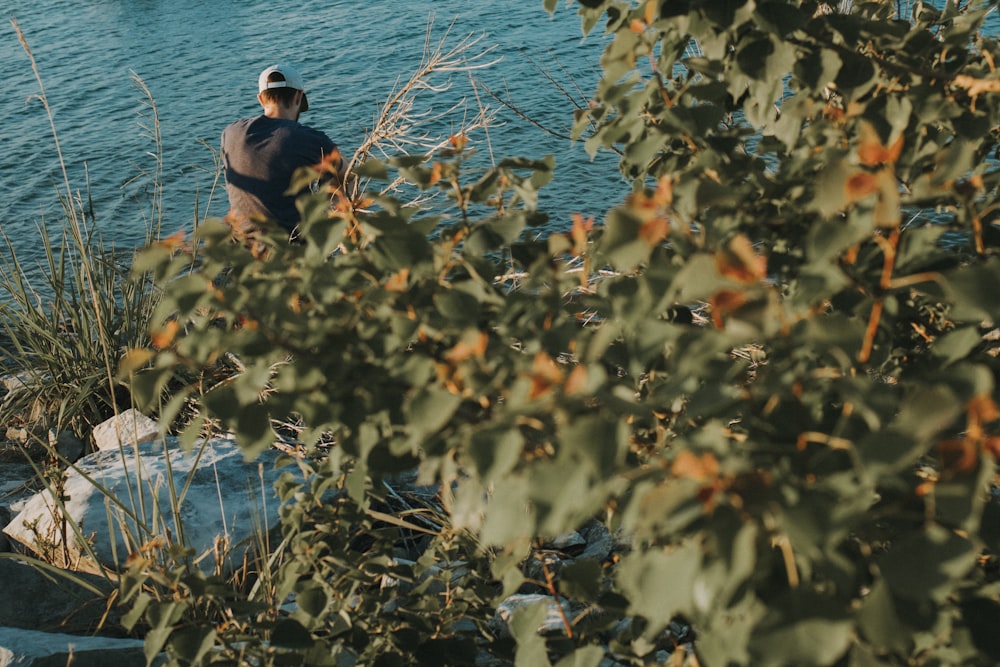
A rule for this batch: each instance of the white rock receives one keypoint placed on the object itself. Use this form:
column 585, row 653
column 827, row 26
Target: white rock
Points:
column 553, row 622
column 28, row 648
column 121, row 500
column 128, row 428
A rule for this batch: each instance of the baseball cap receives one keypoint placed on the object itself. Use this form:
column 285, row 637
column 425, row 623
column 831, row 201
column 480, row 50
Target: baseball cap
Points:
column 292, row 80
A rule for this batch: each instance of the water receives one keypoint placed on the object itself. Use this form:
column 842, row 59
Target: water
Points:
column 200, row 62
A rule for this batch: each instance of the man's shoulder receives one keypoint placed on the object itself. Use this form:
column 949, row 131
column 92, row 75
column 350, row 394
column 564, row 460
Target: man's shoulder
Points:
column 312, row 134
column 239, row 126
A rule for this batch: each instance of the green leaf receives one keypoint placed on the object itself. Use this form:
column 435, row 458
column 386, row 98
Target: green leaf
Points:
column 430, row 409
column 804, row 641
column 524, row 624
column 621, row 243
column 982, row 616
column 372, row 168
column 313, row 600
column 289, row 633
column 944, row 559
column 588, row 656
column 581, row 580
column 494, row 452
column 596, row 442
column 658, row 583
column 457, row 305
column 192, row 644
column 879, row 622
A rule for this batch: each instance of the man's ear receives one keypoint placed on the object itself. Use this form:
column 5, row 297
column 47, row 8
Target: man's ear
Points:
column 260, row 98
column 298, row 99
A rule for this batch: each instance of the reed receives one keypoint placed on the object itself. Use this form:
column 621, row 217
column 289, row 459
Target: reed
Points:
column 68, row 318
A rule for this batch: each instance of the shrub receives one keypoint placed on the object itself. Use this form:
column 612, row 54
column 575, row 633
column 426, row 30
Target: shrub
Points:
column 804, row 478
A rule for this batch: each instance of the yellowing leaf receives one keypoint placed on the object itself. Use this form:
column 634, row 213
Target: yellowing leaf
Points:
column 472, row 344
column 983, row 410
column 724, row 303
column 664, row 194
column 654, row 230
column 976, row 86
column 739, row 261
column 872, row 152
column 133, row 360
column 397, row 282
column 860, row 185
column 576, row 383
column 579, row 233
column 687, row 465
column 164, row 337
column 458, row 141
column 173, row 242
column 545, row 374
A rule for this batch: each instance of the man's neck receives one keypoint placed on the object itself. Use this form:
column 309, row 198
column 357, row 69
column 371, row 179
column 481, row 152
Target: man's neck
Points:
column 278, row 111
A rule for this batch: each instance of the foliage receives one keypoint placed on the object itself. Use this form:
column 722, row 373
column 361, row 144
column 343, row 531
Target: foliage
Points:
column 804, row 479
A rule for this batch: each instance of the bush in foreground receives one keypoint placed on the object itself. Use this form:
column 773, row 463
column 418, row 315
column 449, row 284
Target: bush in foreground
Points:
column 804, row 479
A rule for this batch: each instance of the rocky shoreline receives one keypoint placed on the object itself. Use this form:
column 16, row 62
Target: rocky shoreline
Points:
column 49, row 616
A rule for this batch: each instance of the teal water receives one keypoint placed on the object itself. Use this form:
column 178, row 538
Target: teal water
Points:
column 200, row 62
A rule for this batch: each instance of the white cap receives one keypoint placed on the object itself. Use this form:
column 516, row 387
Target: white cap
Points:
column 292, row 80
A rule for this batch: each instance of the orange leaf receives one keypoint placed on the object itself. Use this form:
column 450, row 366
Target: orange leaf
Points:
column 992, row 446
column 545, row 374
column 164, row 337
column 872, row 152
column 576, row 383
column 332, row 162
column 173, row 242
column 472, row 344
column 664, row 195
column 579, row 233
column 247, row 323
column 650, row 14
column 701, row 469
column 654, row 230
column 982, row 410
column 724, row 303
column 458, row 141
column 134, row 359
column 397, row 282
column 739, row 261
column 436, row 170
column 958, row 456
column 860, row 185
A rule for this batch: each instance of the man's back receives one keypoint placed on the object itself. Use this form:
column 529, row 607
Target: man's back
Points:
column 260, row 155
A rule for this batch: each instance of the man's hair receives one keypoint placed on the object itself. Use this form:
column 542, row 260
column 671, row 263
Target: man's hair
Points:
column 283, row 96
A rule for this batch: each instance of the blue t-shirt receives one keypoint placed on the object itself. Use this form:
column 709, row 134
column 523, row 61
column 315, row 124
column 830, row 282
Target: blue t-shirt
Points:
column 259, row 156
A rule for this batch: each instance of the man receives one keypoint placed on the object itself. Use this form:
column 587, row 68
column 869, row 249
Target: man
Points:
column 261, row 154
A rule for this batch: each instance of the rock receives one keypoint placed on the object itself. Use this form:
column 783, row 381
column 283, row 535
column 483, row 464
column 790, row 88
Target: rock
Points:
column 220, row 501
column 4, row 520
column 592, row 541
column 16, row 482
column 26, row 648
column 10, row 384
column 67, row 445
column 129, row 428
column 553, row 622
column 36, row 601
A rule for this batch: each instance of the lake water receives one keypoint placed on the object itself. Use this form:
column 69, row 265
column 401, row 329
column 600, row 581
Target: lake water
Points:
column 200, row 61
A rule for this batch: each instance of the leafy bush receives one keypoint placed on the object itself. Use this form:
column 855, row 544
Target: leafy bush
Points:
column 805, row 479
